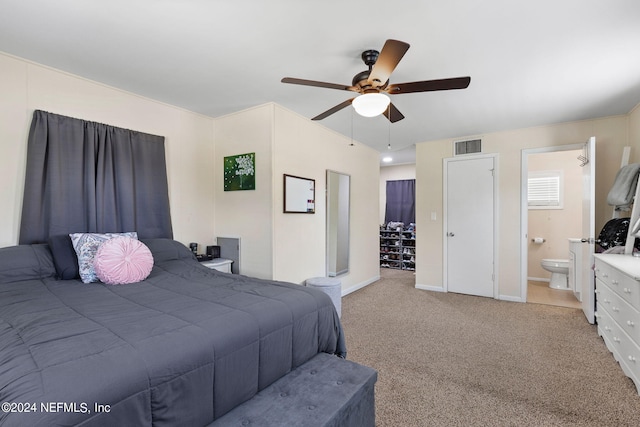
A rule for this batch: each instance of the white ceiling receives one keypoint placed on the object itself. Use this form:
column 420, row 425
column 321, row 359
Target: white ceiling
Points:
column 531, row 63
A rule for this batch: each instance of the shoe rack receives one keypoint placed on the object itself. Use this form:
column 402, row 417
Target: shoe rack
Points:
column 397, row 249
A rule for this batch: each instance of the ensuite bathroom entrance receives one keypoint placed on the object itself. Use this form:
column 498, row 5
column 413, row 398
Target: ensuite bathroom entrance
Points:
column 558, row 225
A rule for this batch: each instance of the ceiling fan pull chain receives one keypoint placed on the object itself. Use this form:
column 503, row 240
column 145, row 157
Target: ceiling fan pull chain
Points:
column 389, row 124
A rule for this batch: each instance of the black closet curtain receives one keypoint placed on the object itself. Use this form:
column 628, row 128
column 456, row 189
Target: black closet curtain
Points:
column 90, row 177
column 401, row 201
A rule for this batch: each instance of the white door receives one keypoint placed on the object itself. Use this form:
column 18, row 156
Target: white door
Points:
column 588, row 229
column 469, row 227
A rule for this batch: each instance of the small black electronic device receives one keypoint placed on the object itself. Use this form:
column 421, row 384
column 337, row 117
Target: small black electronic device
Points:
column 214, row 251
column 194, row 248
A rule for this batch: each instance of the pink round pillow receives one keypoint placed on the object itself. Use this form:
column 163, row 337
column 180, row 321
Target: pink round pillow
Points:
column 123, row 260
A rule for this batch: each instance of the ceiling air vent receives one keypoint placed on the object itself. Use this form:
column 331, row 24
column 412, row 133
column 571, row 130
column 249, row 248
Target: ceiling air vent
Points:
column 467, row 147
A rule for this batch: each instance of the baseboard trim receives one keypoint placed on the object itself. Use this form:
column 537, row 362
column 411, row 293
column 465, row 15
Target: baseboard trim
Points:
column 430, row 288
column 510, row 298
column 441, row 289
column 360, row 285
column 538, row 279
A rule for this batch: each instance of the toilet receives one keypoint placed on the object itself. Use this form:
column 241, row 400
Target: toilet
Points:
column 559, row 269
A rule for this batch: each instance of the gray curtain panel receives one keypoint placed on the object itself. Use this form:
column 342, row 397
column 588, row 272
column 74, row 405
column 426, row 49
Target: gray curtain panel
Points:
column 84, row 176
column 401, row 201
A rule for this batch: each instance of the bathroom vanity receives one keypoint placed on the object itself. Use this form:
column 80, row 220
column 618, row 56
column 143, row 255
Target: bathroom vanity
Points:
column 618, row 309
column 575, row 267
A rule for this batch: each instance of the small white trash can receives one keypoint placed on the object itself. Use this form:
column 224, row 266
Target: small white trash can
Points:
column 330, row 286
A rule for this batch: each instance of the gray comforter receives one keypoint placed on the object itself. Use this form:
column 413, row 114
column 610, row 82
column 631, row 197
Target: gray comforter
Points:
column 183, row 347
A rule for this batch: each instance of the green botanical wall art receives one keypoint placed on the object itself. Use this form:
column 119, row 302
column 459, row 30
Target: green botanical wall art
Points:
column 240, row 172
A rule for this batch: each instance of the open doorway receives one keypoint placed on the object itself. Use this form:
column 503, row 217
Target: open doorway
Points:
column 554, row 199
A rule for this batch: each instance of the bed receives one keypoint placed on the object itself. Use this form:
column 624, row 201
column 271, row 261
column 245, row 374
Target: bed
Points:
column 183, row 347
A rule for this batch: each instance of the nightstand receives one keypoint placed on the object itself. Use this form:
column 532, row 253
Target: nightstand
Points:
column 219, row 264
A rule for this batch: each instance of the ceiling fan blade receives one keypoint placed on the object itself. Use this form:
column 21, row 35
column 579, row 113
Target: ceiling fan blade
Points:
column 393, row 114
column 429, row 85
column 318, row 84
column 332, row 110
column 390, row 55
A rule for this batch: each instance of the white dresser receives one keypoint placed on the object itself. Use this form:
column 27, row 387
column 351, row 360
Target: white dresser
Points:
column 618, row 309
column 219, row 264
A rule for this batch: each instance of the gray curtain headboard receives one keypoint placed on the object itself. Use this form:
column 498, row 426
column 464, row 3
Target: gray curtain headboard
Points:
column 84, row 176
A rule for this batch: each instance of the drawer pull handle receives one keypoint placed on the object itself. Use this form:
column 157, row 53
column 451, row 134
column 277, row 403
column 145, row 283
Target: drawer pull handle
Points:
column 607, row 328
column 632, row 359
column 614, row 282
column 606, row 301
column 630, row 323
column 616, row 309
column 605, row 275
column 627, row 290
column 616, row 339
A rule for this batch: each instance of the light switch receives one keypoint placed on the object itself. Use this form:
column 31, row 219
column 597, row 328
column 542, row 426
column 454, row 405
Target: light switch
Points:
column 433, row 216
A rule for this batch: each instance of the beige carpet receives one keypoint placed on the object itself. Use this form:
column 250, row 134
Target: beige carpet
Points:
column 446, row 359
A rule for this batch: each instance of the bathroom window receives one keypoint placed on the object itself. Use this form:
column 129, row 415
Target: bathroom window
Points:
column 544, row 189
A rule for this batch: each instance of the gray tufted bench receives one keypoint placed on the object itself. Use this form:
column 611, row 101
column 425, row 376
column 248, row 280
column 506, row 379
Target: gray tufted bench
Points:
column 325, row 391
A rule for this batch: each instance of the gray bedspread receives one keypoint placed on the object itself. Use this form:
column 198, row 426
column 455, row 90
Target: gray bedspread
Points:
column 181, row 348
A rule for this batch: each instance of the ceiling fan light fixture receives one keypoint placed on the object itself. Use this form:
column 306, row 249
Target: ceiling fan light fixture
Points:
column 371, row 104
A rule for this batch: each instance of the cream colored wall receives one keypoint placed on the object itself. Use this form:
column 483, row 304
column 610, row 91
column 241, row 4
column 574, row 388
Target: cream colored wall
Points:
column 611, row 134
column 194, row 178
column 247, row 214
column 307, row 149
column 555, row 225
column 393, row 173
column 634, row 134
column 26, row 86
column 291, row 247
column 201, row 210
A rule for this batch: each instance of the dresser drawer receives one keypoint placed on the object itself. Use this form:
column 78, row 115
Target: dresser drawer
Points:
column 219, row 264
column 620, row 344
column 621, row 284
column 619, row 310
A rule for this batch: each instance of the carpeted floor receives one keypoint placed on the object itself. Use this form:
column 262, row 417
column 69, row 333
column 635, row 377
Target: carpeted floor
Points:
column 447, row 359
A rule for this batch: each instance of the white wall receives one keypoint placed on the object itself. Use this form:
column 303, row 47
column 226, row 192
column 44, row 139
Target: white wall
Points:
column 291, row 247
column 393, row 173
column 307, row 149
column 274, row 245
column 247, row 214
column 26, row 86
column 611, row 134
column 194, row 168
column 634, row 134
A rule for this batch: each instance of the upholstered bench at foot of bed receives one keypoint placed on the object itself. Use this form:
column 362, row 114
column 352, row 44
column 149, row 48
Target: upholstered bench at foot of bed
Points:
column 326, row 391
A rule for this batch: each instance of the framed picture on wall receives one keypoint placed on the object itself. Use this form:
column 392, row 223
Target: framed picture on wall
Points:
column 240, row 172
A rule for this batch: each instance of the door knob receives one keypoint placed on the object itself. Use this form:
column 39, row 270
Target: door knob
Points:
column 589, row 240
column 450, row 234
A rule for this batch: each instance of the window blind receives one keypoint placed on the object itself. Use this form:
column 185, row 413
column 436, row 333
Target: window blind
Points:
column 544, row 190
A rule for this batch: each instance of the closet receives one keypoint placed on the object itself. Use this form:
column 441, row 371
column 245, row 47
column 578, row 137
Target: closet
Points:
column 398, row 248
column 398, row 233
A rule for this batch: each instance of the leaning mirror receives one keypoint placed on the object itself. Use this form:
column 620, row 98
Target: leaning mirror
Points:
column 338, row 200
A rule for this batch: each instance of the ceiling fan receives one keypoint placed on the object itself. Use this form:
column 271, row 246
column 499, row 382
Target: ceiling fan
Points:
column 373, row 84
